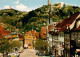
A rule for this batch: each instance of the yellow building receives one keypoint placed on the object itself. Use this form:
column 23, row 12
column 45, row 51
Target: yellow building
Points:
column 29, row 39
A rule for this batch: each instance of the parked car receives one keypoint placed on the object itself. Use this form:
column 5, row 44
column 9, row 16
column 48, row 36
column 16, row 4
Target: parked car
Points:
column 16, row 54
column 20, row 51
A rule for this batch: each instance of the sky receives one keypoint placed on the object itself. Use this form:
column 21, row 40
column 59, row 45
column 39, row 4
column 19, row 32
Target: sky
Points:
column 28, row 5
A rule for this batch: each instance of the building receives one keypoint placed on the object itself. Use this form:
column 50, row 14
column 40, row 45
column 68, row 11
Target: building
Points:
column 10, row 7
column 43, row 33
column 29, row 39
column 65, row 29
column 37, row 35
column 14, row 35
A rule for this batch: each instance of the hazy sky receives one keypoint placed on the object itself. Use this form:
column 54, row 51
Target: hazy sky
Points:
column 27, row 5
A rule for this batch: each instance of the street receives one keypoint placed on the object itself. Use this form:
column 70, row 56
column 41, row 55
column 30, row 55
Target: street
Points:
column 28, row 53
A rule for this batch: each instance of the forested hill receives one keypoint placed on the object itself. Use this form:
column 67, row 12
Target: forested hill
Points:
column 36, row 18
column 39, row 17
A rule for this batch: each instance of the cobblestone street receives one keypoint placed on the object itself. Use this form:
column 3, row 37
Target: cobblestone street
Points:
column 28, row 53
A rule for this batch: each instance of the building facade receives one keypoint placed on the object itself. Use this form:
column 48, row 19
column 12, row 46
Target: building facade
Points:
column 29, row 39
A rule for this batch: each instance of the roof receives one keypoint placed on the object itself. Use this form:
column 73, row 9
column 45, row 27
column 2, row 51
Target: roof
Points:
column 3, row 32
column 20, row 37
column 68, row 21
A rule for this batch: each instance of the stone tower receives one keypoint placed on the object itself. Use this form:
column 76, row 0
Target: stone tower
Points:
column 48, row 2
column 10, row 7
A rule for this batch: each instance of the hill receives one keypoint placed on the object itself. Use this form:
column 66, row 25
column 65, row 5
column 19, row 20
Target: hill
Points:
column 39, row 17
column 35, row 18
column 11, row 18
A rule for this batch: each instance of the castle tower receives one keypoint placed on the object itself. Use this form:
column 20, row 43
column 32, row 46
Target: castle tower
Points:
column 10, row 7
column 48, row 2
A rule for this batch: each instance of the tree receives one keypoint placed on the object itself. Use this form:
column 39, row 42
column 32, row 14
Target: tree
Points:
column 4, row 46
column 17, row 43
column 7, row 45
column 41, row 45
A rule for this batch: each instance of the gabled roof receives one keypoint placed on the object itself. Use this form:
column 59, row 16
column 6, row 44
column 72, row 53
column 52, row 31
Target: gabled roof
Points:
column 68, row 21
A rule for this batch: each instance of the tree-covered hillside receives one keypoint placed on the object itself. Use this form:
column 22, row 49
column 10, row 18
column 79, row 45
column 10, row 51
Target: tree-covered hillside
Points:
column 35, row 18
column 39, row 17
column 12, row 18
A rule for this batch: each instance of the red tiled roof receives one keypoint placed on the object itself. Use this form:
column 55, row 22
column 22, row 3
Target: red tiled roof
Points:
column 20, row 37
column 3, row 32
column 68, row 21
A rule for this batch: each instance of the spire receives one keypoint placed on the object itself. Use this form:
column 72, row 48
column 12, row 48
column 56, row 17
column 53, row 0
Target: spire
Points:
column 50, row 15
column 48, row 2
